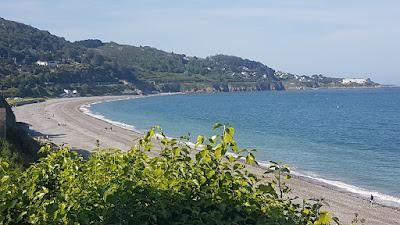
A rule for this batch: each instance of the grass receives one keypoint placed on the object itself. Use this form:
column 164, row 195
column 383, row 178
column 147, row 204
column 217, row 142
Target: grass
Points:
column 24, row 101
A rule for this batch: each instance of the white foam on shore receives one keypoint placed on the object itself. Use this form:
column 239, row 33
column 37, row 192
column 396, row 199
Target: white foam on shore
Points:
column 379, row 197
column 86, row 110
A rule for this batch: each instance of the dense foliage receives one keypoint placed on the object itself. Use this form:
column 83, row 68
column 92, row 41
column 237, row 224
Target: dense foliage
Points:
column 10, row 153
column 71, row 64
column 176, row 186
column 213, row 72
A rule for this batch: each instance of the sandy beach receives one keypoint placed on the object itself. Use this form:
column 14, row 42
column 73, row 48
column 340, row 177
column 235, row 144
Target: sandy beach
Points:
column 63, row 123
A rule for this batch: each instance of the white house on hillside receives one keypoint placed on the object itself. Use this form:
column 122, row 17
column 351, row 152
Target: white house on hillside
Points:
column 47, row 63
column 354, row 80
column 42, row 63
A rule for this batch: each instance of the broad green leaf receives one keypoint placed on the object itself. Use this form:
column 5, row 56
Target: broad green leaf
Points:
column 148, row 147
column 210, row 173
column 202, row 180
column 238, row 166
column 21, row 215
column 4, row 178
column 234, row 147
column 324, row 218
column 200, row 139
column 231, row 158
column 4, row 164
column 196, row 182
column 306, row 211
column 218, row 151
column 207, row 159
column 250, row 158
column 33, row 219
column 228, row 135
column 177, row 151
column 216, row 126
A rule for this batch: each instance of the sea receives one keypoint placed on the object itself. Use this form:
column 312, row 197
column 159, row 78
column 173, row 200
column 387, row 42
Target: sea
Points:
column 347, row 138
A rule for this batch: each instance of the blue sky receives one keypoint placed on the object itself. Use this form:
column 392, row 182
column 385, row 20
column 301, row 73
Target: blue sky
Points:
column 352, row 38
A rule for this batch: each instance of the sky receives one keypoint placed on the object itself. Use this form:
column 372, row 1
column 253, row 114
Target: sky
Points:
column 341, row 38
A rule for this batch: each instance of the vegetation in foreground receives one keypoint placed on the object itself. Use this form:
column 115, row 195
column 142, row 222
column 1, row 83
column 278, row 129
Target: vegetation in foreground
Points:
column 114, row 187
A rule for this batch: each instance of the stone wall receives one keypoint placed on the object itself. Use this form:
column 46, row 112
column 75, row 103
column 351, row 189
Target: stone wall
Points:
column 3, row 122
column 7, row 118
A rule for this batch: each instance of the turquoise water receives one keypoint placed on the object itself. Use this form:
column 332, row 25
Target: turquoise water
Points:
column 350, row 138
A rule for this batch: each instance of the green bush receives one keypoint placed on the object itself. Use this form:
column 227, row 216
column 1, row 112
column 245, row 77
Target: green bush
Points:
column 10, row 153
column 24, row 101
column 175, row 185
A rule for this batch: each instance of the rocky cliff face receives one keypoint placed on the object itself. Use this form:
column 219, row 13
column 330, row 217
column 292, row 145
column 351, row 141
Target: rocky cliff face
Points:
column 24, row 145
column 10, row 118
column 222, row 87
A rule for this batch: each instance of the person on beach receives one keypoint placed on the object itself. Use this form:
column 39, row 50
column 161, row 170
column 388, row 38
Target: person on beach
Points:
column 371, row 200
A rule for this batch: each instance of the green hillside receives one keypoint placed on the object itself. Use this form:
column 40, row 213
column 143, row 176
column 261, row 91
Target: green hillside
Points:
column 171, row 70
column 74, row 66
column 35, row 63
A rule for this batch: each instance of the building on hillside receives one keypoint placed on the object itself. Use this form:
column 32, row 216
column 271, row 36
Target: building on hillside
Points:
column 47, row 63
column 69, row 93
column 42, row 63
column 354, row 80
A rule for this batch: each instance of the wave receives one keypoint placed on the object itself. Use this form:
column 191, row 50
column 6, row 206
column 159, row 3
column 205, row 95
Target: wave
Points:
column 86, row 110
column 380, row 198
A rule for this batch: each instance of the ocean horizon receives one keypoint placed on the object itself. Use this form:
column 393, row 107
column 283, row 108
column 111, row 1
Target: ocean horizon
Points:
column 347, row 138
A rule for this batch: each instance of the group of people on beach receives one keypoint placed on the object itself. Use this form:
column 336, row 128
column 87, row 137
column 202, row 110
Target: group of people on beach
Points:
column 110, row 129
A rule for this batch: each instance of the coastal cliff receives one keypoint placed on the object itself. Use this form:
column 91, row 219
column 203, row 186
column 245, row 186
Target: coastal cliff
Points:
column 35, row 63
